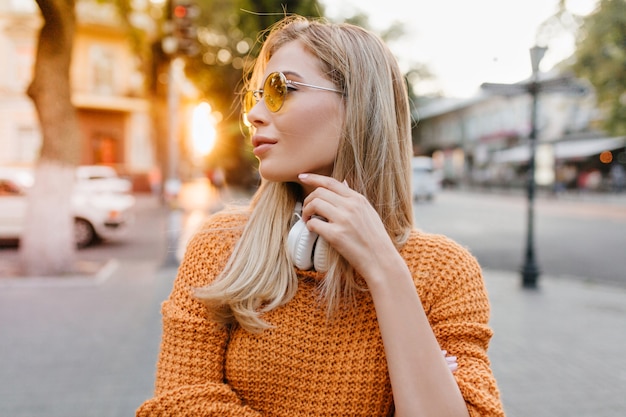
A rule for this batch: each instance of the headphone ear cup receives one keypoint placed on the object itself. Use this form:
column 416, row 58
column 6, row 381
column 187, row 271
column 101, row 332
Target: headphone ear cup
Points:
column 320, row 255
column 300, row 244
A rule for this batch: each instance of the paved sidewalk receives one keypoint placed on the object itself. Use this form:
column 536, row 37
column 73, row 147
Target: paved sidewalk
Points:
column 89, row 349
column 80, row 348
column 559, row 350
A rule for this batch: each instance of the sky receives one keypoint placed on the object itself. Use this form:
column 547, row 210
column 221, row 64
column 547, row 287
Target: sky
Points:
column 465, row 43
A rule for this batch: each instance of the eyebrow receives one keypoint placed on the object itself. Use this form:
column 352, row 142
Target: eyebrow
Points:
column 293, row 73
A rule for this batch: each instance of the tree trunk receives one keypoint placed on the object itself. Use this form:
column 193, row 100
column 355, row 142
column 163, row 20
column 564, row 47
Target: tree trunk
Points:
column 47, row 245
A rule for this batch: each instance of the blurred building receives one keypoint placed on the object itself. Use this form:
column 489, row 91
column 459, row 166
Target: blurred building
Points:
column 108, row 90
column 484, row 140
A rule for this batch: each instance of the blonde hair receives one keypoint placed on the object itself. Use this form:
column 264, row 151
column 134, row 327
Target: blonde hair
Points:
column 373, row 157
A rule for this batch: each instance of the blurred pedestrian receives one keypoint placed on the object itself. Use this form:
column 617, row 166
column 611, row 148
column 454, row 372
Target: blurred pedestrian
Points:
column 322, row 297
column 155, row 180
column 618, row 177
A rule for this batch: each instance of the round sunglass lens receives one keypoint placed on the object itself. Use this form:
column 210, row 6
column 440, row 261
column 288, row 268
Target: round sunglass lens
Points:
column 274, row 91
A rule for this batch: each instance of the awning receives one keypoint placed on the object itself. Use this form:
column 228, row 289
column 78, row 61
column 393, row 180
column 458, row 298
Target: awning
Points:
column 516, row 154
column 562, row 150
column 588, row 147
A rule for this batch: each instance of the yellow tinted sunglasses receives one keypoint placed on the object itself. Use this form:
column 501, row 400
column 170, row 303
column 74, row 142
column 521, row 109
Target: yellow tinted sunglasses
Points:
column 275, row 89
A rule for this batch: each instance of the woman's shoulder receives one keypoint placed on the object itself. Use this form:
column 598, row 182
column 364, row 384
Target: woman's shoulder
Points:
column 231, row 218
column 429, row 254
column 209, row 248
column 221, row 229
column 423, row 244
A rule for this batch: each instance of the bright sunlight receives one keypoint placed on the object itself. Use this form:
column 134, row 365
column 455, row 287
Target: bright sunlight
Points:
column 203, row 132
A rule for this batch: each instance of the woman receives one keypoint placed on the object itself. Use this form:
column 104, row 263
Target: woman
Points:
column 321, row 298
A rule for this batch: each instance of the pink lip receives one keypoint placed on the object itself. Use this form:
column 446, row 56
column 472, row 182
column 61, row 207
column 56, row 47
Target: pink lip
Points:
column 261, row 144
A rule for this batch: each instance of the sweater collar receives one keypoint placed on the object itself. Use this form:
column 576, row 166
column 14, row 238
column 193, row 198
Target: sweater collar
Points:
column 310, row 275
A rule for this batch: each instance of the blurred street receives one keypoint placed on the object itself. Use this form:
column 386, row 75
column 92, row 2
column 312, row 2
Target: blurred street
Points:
column 87, row 346
column 577, row 236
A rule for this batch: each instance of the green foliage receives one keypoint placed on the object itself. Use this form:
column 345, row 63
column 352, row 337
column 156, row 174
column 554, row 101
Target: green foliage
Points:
column 601, row 58
column 230, row 33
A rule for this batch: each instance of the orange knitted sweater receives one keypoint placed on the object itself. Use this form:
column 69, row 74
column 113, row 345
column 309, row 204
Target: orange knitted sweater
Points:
column 307, row 365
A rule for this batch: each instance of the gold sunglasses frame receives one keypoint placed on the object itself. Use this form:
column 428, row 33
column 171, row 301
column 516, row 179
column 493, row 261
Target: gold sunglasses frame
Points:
column 252, row 97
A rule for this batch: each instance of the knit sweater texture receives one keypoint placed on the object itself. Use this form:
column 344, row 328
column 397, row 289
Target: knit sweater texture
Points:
column 307, row 364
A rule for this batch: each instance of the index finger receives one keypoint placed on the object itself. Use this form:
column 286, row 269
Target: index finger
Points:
column 324, row 181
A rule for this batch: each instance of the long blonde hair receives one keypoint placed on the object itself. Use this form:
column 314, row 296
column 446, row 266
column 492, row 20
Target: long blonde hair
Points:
column 373, row 157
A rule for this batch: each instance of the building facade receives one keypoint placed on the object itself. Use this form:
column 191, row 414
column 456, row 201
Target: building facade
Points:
column 484, row 140
column 108, row 91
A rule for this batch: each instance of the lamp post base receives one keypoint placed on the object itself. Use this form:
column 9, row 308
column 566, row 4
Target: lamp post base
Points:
column 530, row 273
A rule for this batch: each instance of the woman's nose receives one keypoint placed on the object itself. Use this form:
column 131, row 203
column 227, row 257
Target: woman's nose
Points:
column 257, row 114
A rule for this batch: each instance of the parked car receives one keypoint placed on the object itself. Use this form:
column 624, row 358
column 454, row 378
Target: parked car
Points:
column 426, row 181
column 97, row 215
column 101, row 178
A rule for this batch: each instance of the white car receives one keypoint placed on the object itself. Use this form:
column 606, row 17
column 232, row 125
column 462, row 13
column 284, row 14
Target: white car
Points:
column 97, row 215
column 425, row 180
column 101, row 178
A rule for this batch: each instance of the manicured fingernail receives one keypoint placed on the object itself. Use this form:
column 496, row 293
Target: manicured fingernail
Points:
column 303, row 176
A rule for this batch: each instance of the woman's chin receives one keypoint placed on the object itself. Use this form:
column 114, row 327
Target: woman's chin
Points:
column 275, row 176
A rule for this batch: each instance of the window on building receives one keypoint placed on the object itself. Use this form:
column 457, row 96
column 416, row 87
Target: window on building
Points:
column 102, row 67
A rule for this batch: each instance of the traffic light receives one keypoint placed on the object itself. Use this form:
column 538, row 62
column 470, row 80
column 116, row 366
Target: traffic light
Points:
column 184, row 14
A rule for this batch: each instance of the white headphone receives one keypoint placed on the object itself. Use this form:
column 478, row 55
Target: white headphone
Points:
column 306, row 249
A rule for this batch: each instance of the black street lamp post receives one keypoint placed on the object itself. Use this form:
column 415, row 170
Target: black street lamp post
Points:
column 563, row 84
column 530, row 270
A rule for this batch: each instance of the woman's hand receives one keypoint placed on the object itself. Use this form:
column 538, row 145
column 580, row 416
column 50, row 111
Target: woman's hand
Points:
column 420, row 378
column 352, row 227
